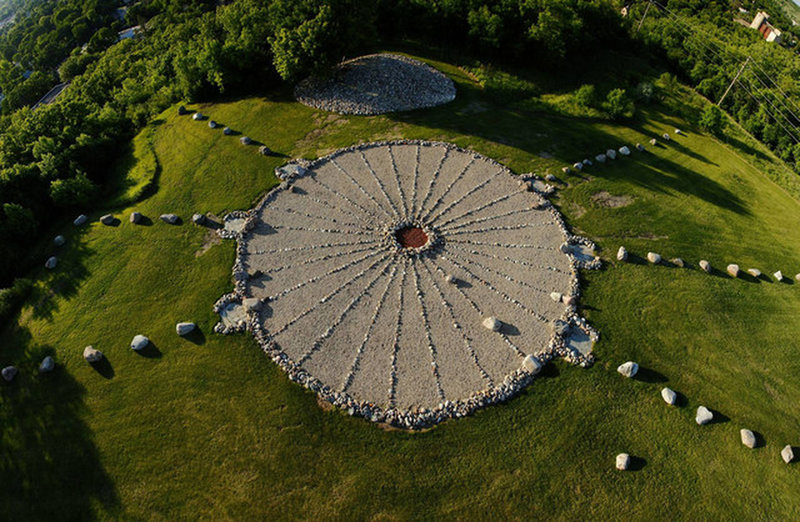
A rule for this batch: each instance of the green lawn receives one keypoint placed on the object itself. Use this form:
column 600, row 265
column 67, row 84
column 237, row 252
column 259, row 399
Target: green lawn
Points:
column 212, row 429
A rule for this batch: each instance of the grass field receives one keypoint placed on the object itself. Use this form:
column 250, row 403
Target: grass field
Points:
column 211, row 429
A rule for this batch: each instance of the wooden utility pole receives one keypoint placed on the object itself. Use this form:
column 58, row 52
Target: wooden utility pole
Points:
column 643, row 17
column 741, row 69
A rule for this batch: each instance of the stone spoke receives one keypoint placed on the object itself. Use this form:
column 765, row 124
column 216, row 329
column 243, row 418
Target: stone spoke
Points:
column 380, row 184
column 427, row 330
column 450, row 186
column 434, row 179
column 403, row 201
column 470, row 192
column 361, row 188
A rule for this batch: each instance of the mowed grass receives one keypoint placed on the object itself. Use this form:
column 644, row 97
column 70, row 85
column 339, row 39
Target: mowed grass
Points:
column 211, row 429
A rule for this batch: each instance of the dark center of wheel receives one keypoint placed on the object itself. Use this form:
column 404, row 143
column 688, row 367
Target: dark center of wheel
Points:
column 411, row 237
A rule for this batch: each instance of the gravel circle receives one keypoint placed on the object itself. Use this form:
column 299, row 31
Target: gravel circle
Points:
column 391, row 330
column 376, row 84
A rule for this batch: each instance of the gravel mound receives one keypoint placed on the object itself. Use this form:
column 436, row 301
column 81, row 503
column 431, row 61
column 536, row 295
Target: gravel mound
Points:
column 376, row 84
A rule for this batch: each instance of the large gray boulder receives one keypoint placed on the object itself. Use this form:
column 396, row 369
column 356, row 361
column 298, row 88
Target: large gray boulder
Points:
column 198, row 219
column 703, row 416
column 80, row 220
column 623, row 461
column 212, row 124
column 733, row 270
column 171, row 219
column 91, row 354
column 107, row 219
column 748, row 438
column 51, row 263
column 139, row 342
column 778, row 276
column 245, row 140
column 628, row 369
column 197, row 116
column 787, row 454
column 532, row 364
column 755, row 272
column 669, row 396
column 622, row 254
column 492, row 323
column 625, row 151
column 611, row 154
column 654, row 258
column 185, row 328
column 47, row 365
column 59, row 240
column 677, row 261
column 136, row 217
column 9, row 372
column 227, row 131
column 600, row 158
column 705, row 266
column 264, row 150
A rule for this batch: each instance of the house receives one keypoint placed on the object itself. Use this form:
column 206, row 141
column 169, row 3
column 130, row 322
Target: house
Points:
column 51, row 95
column 130, row 32
column 767, row 30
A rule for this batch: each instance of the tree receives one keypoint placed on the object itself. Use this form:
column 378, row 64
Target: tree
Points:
column 76, row 191
column 586, row 96
column 712, row 120
column 618, row 104
column 20, row 222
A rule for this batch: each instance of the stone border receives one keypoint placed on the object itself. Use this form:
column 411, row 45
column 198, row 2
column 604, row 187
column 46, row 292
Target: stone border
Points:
column 424, row 417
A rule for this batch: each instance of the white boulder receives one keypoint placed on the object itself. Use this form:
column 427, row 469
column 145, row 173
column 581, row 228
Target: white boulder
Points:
column 611, row 154
column 9, row 372
column 654, row 258
column 623, row 461
column 703, row 416
column 139, row 342
column 628, row 369
column 705, row 265
column 578, row 166
column 669, row 396
column 733, row 270
column 172, row 219
column 640, row 147
column 625, row 151
column 450, row 278
column 107, row 219
column 601, row 158
column 135, row 217
column 492, row 323
column 47, row 365
column 787, row 454
column 212, row 124
column 59, row 240
column 778, row 275
column 197, row 116
column 556, row 296
column 198, row 219
column 185, row 328
column 51, row 263
column 532, row 364
column 566, row 170
column 665, row 136
column 748, row 438
column 622, row 254
column 80, row 220
column 653, row 141
column 244, row 140
column 91, row 354
column 755, row 272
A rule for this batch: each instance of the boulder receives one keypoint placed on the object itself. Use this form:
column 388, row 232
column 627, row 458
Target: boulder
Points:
column 47, row 365
column 640, row 147
column 51, row 263
column 703, row 416
column 264, row 150
column 622, row 254
column 748, row 438
column 9, row 372
column 532, row 364
column 212, row 124
column 227, row 131
column 556, row 296
column 135, row 217
column 171, row 219
column 611, row 154
column 601, row 158
column 623, row 461
column 198, row 219
column 492, row 323
column 705, row 265
column 91, row 354
column 797, row 277
column 550, row 177
column 677, row 261
column 755, row 272
column 577, row 166
column 197, row 116
column 669, row 396
column 252, row 304
column 733, row 270
column 678, row 132
column 566, row 170
column 587, row 162
column 139, row 342
column 665, row 136
column 59, row 240
column 182, row 110
column 80, row 220
column 654, row 258
column 107, row 219
column 244, row 140
column 787, row 454
column 653, row 142
column 628, row 369
column 778, row 275
column 185, row 328
column 569, row 300
column 625, row 151
column 450, row 278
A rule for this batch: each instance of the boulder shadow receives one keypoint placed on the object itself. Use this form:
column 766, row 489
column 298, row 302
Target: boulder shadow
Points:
column 795, row 451
column 716, row 272
column 196, row 336
column 114, row 223
column 649, row 376
column 509, row 329
column 460, row 283
column 681, row 400
column 760, row 440
column 636, row 463
column 636, row 260
column 718, row 418
column 103, row 367
column 549, row 371
column 786, row 281
column 211, row 223
column 144, row 221
column 275, row 154
column 150, row 351
column 744, row 276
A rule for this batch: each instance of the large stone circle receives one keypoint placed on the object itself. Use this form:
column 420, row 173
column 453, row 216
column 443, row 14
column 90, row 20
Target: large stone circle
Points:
column 376, row 84
column 375, row 268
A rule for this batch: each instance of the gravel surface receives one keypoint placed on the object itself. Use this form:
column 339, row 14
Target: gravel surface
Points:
column 377, row 84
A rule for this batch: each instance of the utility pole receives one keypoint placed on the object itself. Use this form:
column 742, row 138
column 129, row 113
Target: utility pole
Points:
column 741, row 69
column 643, row 17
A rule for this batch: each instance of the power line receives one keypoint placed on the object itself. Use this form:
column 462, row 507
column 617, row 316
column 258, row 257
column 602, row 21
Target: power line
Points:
column 769, row 113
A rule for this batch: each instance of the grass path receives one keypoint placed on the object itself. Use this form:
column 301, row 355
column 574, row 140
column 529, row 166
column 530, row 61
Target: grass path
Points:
column 213, row 429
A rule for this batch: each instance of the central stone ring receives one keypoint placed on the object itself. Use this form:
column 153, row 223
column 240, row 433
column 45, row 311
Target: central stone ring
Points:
column 411, row 237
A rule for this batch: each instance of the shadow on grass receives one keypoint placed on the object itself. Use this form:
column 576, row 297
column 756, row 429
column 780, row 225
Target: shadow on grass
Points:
column 144, row 221
column 636, row 463
column 104, row 368
column 718, row 418
column 50, row 468
column 196, row 336
column 760, row 440
column 650, row 376
column 64, row 281
column 150, row 351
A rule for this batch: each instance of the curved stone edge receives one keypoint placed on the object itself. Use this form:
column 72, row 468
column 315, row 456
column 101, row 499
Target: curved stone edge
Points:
column 513, row 383
column 314, row 103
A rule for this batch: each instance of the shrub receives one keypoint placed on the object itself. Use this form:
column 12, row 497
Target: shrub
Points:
column 618, row 104
column 712, row 120
column 586, row 96
column 11, row 298
column 72, row 192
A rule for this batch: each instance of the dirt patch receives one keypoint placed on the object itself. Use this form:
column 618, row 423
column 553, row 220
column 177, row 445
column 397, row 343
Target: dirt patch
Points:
column 575, row 210
column 325, row 124
column 604, row 199
column 210, row 239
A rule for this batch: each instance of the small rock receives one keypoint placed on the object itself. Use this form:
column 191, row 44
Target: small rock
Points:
column 197, row 116
column 787, row 454
column 59, row 240
column 91, row 354
column 653, row 141
column 212, row 124
column 565, row 170
column 550, row 177
column 139, row 342
column 182, row 110
column 587, row 162
column 654, row 258
column 492, row 323
column 449, row 278
column 244, row 140
column 678, row 132
column 640, row 147
column 185, row 328
column 778, row 275
column 625, row 151
column 171, row 219
column 135, row 217
column 611, row 154
column 623, row 461
column 678, row 262
column 748, row 438
column 80, row 220
column 733, row 270
column 628, row 369
column 622, row 254
column 665, row 136
column 797, row 277
column 569, row 300
column 532, row 364
column 755, row 272
column 601, row 158
column 47, row 365
column 578, row 166
column 227, row 131
column 9, row 372
column 198, row 219
column 264, row 150
column 704, row 415
column 705, row 265
column 51, row 263
column 669, row 396
column 555, row 296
